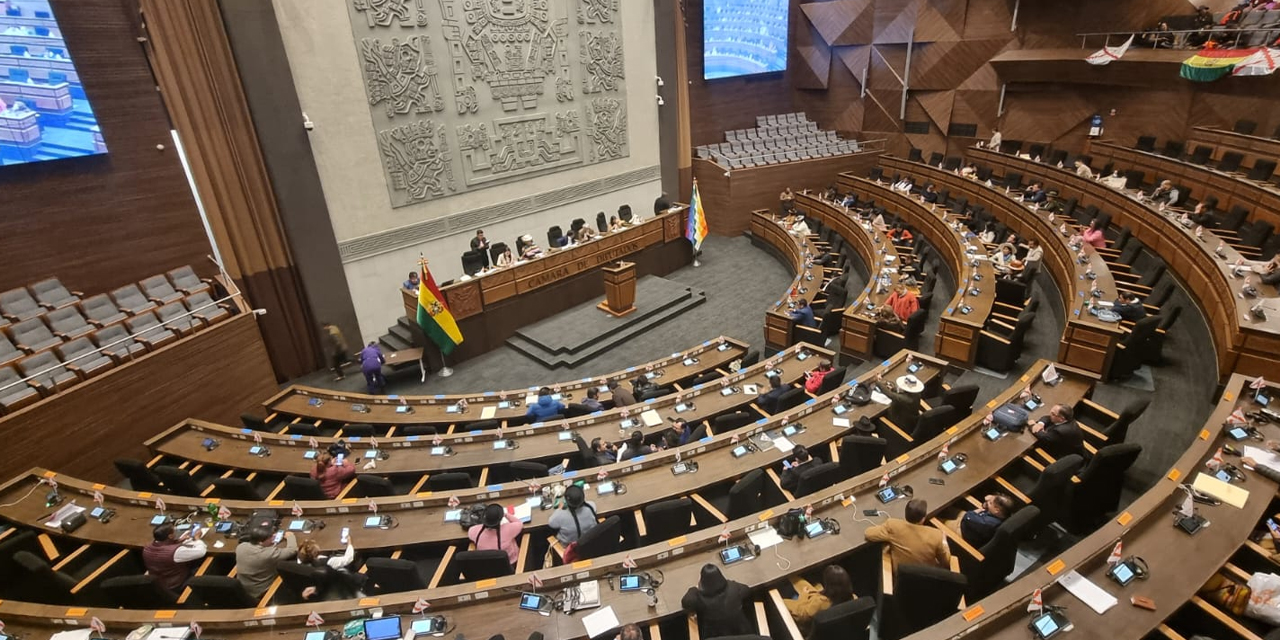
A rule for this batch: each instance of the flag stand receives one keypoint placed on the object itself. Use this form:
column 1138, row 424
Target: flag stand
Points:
column 444, row 371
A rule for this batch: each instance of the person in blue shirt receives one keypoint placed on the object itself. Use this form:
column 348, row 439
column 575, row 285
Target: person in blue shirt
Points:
column 371, row 361
column 1035, row 194
column 412, row 283
column 592, row 401
column 680, row 429
column 803, row 314
column 545, row 407
column 769, row 400
column 977, row 527
column 1129, row 307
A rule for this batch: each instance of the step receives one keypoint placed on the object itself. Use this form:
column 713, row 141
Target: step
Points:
column 393, row 342
column 402, row 332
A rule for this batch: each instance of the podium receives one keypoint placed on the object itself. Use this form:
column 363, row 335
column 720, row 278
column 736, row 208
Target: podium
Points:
column 619, row 289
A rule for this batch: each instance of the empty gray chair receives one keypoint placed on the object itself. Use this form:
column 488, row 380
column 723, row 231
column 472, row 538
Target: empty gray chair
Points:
column 370, row 486
column 15, row 395
column 47, row 372
column 83, row 358
column 140, row 477
column 667, row 519
column 101, row 311
column 115, row 343
column 137, row 592
column 220, row 592
column 18, row 305
column 175, row 317
column 52, row 295
column 9, row 354
column 158, row 290
column 68, row 324
column 203, row 308
column 33, row 335
column 130, row 300
column 302, row 488
column 148, row 330
column 394, row 575
column 184, row 279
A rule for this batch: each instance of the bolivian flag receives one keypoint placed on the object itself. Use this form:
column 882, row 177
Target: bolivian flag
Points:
column 1211, row 64
column 434, row 316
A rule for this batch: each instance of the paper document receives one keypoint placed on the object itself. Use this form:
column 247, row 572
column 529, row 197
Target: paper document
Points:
column 55, row 521
column 1226, row 492
column 783, row 444
column 600, row 622
column 75, row 634
column 1262, row 457
column 843, row 423
column 1088, row 592
column 169, row 633
column 750, row 389
column 488, row 412
column 523, row 512
column 651, row 418
column 880, row 398
column 765, row 537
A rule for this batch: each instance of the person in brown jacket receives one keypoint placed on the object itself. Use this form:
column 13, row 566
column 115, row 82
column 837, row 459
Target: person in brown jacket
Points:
column 331, row 474
column 836, row 588
column 911, row 541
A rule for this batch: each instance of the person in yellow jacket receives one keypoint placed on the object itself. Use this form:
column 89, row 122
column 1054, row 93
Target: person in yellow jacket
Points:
column 836, row 588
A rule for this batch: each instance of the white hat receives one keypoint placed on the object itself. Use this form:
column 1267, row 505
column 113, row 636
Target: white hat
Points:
column 527, row 238
column 909, row 383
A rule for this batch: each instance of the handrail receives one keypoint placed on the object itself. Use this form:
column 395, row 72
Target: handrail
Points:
column 98, row 351
column 863, row 146
column 1179, row 35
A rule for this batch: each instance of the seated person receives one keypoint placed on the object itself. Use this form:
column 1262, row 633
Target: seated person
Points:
column 1129, row 306
column 615, row 224
column 887, row 319
column 1035, row 253
column 978, row 526
column 592, row 401
column 970, row 170
column 497, row 532
column 1269, row 270
column 1083, row 170
column 576, row 517
column 903, row 302
column 718, row 604
column 337, row 567
column 634, row 446
column 545, row 407
column 1205, row 215
column 810, row 600
column 1165, row 193
column 786, row 201
column 930, row 194
column 912, row 541
column 813, row 379
column 803, row 314
column 602, row 453
column 680, row 429
column 585, row 234
column 988, row 235
column 505, row 259
column 1115, row 180
column 332, row 474
column 797, row 227
column 905, row 185
column 412, row 283
column 1000, row 259
column 1058, row 432
column 1034, row 193
column 850, row 201
column 900, row 234
column 793, row 466
column 1094, row 236
column 529, row 249
column 831, row 194
column 769, row 399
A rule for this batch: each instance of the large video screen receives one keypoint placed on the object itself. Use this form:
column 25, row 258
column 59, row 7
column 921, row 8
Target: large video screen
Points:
column 44, row 114
column 743, row 37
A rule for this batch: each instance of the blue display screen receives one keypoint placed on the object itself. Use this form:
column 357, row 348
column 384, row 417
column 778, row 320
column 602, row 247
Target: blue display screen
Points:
column 44, row 112
column 743, row 37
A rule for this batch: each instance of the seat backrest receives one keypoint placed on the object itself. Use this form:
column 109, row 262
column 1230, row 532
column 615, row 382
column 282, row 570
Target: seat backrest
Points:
column 137, row 592
column 845, row 621
column 184, row 277
column 176, row 481
column 18, row 302
column 140, row 477
column 817, row 477
column 74, row 349
column 1118, row 430
column 45, row 365
column 929, row 594
column 66, row 319
column 915, row 322
column 358, row 430
column 7, row 350
column 451, row 481
column 235, row 489
column 415, row 430
column 1000, row 553
column 50, row 291
column 791, row 398
column 220, row 592
column 303, row 488
column 668, row 519
column 482, row 564
column 1050, row 492
column 602, row 539
column 528, row 470
column 371, row 486
column 296, row 577
column 744, row 495
column 932, row 423
column 859, row 454
column 157, row 286
column 731, row 421
column 129, row 297
column 40, row 582
column 31, row 332
column 833, row 379
column 21, row 540
column 99, row 307
column 962, row 397
column 394, row 575
column 174, row 315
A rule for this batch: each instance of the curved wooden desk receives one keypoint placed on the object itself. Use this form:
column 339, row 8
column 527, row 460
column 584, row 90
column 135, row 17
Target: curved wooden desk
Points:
column 413, row 454
column 1244, row 344
column 490, row 308
column 1262, row 199
column 778, row 325
column 1087, row 342
column 312, row 404
column 958, row 332
column 1179, row 563
column 487, row 607
column 1253, row 147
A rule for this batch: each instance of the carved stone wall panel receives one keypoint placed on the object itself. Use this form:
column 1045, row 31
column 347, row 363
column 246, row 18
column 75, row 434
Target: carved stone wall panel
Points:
column 466, row 94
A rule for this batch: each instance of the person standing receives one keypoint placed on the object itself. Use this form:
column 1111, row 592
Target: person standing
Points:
column 257, row 557
column 481, row 244
column 169, row 559
column 996, row 139
column 336, row 345
column 718, row 604
column 371, row 361
column 903, row 302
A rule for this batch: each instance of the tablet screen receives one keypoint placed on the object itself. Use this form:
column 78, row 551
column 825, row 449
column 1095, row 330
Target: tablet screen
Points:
column 1123, row 573
column 814, row 529
column 159, row 520
column 437, row 451
column 1239, row 433
column 530, row 601
column 886, row 494
column 373, row 521
column 1046, row 626
column 948, row 466
column 629, row 583
column 255, row 450
column 731, row 554
column 297, row 525
column 309, row 455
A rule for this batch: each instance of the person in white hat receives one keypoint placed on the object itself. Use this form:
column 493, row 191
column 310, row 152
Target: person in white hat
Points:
column 531, row 250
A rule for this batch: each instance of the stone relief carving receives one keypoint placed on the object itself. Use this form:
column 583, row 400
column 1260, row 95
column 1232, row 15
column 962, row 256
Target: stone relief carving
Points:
column 382, row 13
column 607, row 128
column 402, row 75
column 601, row 55
column 503, row 61
column 416, row 157
column 596, row 11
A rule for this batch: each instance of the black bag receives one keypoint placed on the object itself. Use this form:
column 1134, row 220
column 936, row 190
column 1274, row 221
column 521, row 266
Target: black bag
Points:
column 471, row 516
column 266, row 518
column 73, row 522
column 789, row 525
column 641, row 385
column 1010, row 417
column 860, row 396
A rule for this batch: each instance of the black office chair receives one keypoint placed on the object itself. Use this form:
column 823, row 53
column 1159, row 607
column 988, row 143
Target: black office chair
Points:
column 1133, row 349
column 301, row 429
column 220, row 592
column 859, row 454
column 496, row 249
column 602, row 223
column 960, row 396
column 922, row 596
column 450, row 481
column 140, row 477
column 624, row 213
column 1234, row 218
column 602, row 539
column 1155, row 348
column 791, row 398
column 1001, row 353
column 419, row 430
column 1201, row 154
column 1255, row 233
column 21, row 540
column 528, row 470
column 254, row 422
column 915, row 155
column 933, row 422
column 484, row 425
column 889, row 342
column 706, row 377
column 1146, row 143
column 295, row 578
column 1097, row 496
column 935, row 159
column 998, row 555
column 876, row 174
column 235, row 489
column 1052, row 491
column 745, row 495
column 817, row 477
column 473, row 261
column 845, row 621
column 1036, row 151
column 751, row 357
column 832, row 380
column 1059, row 157
column 731, row 421
column 396, row 575
column 556, row 237
column 1262, row 170
column 480, row 564
column 1173, row 149
column 302, row 488
column 1230, row 161
column 371, row 486
column 137, row 592
column 177, row 481
column 357, row 430
column 667, row 519
column 1246, row 127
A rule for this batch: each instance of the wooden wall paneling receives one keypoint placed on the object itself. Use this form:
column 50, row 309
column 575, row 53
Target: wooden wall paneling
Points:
column 194, row 65
column 1054, row 24
column 940, row 20
column 99, row 222
column 214, row 375
column 811, row 66
column 841, row 22
column 895, row 21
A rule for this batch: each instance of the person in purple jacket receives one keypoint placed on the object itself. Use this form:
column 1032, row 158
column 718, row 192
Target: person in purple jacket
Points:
column 371, row 361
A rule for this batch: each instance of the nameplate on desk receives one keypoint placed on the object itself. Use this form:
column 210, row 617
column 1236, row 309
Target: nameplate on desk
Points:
column 1204, row 434
column 1174, row 474
column 1056, row 567
column 582, row 564
column 485, row 584
column 167, row 614
column 1125, row 518
column 972, row 613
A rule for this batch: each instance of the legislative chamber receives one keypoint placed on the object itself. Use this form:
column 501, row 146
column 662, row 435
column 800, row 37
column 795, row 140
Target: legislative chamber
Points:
column 578, row 319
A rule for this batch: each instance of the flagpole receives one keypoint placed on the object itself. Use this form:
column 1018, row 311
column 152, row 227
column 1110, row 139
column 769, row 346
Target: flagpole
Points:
column 444, row 371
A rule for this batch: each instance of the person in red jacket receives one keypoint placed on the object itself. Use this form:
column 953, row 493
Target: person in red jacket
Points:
column 332, row 474
column 903, row 302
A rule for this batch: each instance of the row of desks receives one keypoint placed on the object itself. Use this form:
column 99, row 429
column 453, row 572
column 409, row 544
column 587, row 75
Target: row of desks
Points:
column 1244, row 344
column 1253, row 147
column 487, row 607
column 325, row 405
column 1087, row 342
column 472, row 449
column 799, row 254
